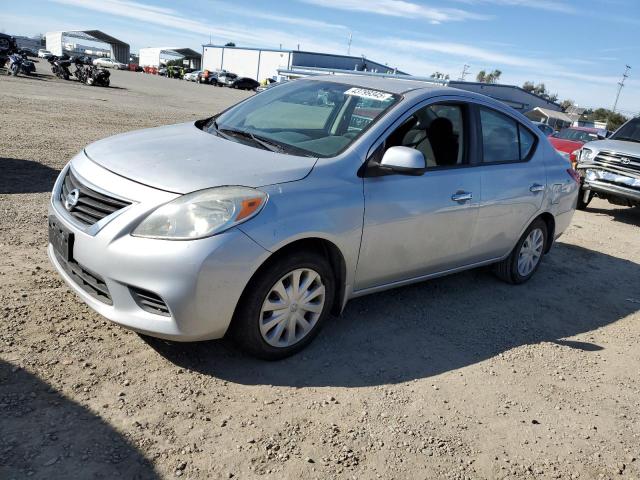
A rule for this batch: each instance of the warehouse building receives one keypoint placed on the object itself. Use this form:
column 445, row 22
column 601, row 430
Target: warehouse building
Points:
column 58, row 44
column 262, row 63
column 156, row 56
column 516, row 97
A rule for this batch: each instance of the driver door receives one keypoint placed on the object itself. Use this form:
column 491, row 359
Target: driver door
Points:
column 421, row 225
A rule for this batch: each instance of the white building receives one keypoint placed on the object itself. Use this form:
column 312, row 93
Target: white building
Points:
column 262, row 63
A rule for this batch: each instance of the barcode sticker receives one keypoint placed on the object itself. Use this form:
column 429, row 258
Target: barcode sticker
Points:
column 366, row 93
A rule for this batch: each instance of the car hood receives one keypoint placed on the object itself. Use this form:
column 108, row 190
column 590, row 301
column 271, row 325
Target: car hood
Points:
column 619, row 146
column 563, row 145
column 182, row 158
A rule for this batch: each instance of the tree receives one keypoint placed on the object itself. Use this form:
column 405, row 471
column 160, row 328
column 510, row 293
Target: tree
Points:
column 566, row 104
column 541, row 90
column 491, row 77
column 614, row 120
column 439, row 76
column 229, row 44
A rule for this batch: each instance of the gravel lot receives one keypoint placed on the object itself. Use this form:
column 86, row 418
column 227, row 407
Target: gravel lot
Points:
column 461, row 377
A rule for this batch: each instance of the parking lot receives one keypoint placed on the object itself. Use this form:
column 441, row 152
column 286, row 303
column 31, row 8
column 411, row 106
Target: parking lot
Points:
column 459, row 377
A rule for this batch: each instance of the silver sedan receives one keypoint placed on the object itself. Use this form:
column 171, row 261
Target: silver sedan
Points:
column 261, row 221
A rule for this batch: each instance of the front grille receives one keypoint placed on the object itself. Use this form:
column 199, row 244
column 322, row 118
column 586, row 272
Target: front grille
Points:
column 618, row 160
column 149, row 301
column 88, row 281
column 90, row 206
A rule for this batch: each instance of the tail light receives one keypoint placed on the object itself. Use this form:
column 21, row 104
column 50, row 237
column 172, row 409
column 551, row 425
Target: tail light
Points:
column 573, row 174
column 573, row 158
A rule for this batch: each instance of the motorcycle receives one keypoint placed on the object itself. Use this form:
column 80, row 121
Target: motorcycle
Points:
column 98, row 76
column 89, row 74
column 60, row 66
column 19, row 64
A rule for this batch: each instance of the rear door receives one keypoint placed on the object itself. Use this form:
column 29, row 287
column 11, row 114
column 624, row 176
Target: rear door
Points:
column 514, row 182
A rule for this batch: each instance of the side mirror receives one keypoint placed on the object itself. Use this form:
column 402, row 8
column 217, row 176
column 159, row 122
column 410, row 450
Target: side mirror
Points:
column 403, row 160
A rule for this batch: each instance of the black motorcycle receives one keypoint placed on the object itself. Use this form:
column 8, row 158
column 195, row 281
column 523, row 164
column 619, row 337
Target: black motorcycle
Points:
column 89, row 74
column 98, row 76
column 60, row 66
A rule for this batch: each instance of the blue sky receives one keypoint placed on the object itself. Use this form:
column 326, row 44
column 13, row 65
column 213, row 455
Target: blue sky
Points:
column 578, row 48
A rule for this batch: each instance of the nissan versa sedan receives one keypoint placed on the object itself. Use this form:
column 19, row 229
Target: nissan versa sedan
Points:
column 260, row 222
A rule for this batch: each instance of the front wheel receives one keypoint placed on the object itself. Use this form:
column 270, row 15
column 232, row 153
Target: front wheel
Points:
column 584, row 198
column 284, row 306
column 524, row 259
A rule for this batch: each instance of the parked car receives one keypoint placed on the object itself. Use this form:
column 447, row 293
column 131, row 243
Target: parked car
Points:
column 42, row 53
column 244, row 83
column 109, row 63
column 207, row 77
column 192, row 76
column 569, row 140
column 261, row 221
column 544, row 128
column 226, row 78
column 610, row 168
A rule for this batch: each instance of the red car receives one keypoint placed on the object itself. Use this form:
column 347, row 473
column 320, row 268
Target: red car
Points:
column 571, row 139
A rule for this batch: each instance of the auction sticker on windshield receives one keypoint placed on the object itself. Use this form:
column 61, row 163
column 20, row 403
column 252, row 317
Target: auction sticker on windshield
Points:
column 366, row 93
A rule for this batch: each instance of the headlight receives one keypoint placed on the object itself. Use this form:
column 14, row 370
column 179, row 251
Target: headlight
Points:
column 202, row 213
column 586, row 155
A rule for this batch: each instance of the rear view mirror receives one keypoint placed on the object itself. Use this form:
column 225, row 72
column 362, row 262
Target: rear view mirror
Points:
column 403, row 160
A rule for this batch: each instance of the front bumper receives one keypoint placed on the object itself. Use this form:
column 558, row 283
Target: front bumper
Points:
column 611, row 183
column 200, row 281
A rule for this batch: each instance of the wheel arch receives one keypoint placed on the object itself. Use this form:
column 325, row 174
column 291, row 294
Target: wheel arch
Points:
column 326, row 248
column 550, row 221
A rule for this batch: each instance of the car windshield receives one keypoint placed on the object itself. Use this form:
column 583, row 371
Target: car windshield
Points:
column 577, row 135
column 630, row 131
column 313, row 118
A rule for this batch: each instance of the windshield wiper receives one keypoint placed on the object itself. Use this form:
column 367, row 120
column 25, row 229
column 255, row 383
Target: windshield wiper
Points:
column 246, row 134
column 628, row 139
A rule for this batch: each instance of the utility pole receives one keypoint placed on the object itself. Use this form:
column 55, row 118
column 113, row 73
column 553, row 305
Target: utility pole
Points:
column 465, row 72
column 625, row 75
column 349, row 45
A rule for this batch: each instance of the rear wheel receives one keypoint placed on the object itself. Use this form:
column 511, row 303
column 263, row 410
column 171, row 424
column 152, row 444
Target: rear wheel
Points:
column 524, row 259
column 284, row 306
column 584, row 198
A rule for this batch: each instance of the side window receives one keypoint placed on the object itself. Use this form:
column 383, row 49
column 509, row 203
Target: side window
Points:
column 504, row 139
column 437, row 131
column 527, row 141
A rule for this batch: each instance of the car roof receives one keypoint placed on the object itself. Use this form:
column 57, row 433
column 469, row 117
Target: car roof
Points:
column 586, row 129
column 397, row 85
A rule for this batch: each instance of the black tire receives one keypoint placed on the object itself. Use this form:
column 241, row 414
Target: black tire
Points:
column 582, row 204
column 507, row 269
column 245, row 327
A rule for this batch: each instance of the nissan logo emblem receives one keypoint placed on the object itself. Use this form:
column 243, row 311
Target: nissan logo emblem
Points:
column 71, row 200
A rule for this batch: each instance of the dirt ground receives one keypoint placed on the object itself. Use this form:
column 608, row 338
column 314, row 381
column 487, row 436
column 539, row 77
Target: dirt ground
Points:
column 461, row 377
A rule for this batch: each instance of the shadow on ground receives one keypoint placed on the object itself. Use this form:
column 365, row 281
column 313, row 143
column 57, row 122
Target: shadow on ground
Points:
column 44, row 435
column 437, row 326
column 628, row 215
column 25, row 176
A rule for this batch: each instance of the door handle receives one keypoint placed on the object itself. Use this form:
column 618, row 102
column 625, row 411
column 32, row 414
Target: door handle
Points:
column 461, row 196
column 536, row 187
